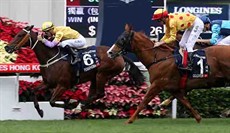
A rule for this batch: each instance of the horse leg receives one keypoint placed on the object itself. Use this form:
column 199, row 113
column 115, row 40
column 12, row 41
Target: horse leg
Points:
column 100, row 89
column 36, row 105
column 91, row 96
column 151, row 93
column 58, row 91
column 164, row 103
column 101, row 80
column 92, row 89
column 180, row 96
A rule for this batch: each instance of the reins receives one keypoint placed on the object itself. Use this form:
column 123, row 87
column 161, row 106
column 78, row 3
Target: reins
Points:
column 32, row 46
column 160, row 60
column 48, row 63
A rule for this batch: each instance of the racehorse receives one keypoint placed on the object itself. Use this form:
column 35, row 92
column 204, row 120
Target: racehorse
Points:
column 163, row 71
column 58, row 74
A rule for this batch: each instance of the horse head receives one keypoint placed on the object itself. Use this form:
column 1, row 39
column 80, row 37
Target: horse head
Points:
column 27, row 37
column 123, row 43
column 23, row 38
column 130, row 41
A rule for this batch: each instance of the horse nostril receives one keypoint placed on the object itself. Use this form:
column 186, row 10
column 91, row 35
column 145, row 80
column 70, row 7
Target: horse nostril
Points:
column 6, row 48
column 109, row 52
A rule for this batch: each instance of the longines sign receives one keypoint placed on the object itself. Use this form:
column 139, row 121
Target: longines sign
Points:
column 214, row 11
column 199, row 10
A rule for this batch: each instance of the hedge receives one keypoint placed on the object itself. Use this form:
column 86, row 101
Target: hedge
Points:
column 210, row 103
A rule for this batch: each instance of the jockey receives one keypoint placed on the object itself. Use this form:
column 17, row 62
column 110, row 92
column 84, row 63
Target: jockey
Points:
column 174, row 22
column 220, row 31
column 63, row 36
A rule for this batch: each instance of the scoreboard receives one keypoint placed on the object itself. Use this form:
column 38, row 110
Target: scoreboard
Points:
column 82, row 15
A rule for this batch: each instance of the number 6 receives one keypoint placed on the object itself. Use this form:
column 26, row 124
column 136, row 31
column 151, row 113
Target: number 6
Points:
column 88, row 59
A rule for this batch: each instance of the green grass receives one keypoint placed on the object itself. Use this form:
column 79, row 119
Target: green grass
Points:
column 117, row 126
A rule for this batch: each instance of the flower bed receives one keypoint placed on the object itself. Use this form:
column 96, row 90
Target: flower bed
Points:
column 120, row 101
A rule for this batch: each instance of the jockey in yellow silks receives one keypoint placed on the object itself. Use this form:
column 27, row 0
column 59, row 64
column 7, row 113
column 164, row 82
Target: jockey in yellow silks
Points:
column 63, row 36
column 175, row 22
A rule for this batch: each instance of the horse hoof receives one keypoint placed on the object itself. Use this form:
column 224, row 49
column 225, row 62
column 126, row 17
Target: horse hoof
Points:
column 128, row 122
column 41, row 113
column 156, row 107
column 83, row 107
column 83, row 102
column 198, row 120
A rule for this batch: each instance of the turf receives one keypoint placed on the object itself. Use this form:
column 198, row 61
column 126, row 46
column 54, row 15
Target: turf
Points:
column 117, row 126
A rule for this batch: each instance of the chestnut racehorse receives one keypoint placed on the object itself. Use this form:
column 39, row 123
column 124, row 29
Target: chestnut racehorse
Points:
column 59, row 75
column 164, row 74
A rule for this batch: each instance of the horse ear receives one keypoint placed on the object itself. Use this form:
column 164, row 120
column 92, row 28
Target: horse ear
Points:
column 128, row 27
column 31, row 27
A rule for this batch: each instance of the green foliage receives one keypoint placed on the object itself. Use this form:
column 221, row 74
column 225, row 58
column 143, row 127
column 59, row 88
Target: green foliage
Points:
column 209, row 103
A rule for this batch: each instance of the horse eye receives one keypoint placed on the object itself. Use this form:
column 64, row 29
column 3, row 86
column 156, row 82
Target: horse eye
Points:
column 20, row 35
column 123, row 39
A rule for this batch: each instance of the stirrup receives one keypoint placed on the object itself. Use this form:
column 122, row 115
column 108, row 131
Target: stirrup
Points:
column 185, row 68
column 76, row 60
column 73, row 51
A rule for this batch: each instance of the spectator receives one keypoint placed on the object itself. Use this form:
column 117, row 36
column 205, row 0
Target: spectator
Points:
column 220, row 31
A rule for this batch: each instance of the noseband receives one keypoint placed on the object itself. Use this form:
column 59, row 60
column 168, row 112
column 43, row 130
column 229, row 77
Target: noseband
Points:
column 24, row 40
column 123, row 45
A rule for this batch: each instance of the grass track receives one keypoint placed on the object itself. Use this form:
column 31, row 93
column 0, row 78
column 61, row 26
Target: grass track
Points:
column 117, row 126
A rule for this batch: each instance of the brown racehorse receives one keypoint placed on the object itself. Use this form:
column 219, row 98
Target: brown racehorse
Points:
column 176, row 44
column 164, row 74
column 59, row 75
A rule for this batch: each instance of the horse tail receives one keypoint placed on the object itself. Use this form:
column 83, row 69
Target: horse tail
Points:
column 135, row 73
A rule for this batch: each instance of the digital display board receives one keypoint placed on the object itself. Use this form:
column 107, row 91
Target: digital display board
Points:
column 82, row 15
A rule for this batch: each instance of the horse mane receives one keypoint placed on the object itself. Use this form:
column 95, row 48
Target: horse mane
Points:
column 141, row 34
column 170, row 46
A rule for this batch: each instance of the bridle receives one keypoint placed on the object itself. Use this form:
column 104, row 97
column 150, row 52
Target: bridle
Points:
column 123, row 46
column 25, row 39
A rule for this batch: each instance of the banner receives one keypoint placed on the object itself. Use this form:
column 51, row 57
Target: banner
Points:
column 20, row 68
column 215, row 12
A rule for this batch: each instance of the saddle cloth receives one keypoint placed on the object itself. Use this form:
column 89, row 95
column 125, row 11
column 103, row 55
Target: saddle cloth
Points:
column 88, row 59
column 200, row 67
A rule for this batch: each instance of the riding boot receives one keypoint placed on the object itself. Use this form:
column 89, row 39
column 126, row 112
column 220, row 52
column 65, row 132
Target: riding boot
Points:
column 190, row 61
column 189, row 65
column 74, row 54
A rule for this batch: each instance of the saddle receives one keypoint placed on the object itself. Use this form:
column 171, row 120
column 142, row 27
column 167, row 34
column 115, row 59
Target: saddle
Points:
column 74, row 54
column 198, row 61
